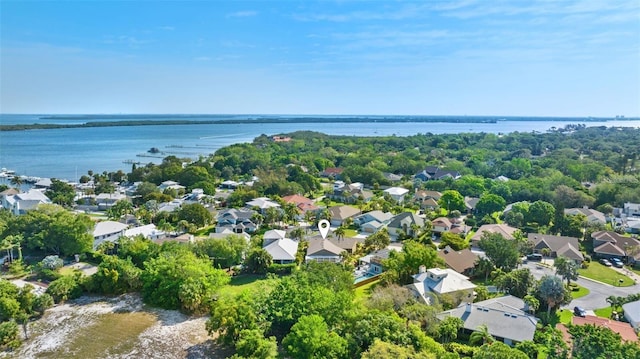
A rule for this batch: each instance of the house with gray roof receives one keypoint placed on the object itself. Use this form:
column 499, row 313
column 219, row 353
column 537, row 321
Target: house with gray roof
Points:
column 560, row 246
column 506, row 318
column 404, row 222
column 371, row 222
column 283, row 250
column 107, row 231
column 236, row 220
column 632, row 314
column 340, row 213
column 323, row 250
column 609, row 244
column 593, row 216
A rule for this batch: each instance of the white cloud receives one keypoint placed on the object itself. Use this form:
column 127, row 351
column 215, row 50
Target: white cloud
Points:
column 246, row 13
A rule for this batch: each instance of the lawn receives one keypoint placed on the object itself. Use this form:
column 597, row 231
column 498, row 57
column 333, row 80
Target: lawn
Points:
column 67, row 271
column 581, row 292
column 348, row 233
column 604, row 312
column 244, row 282
column 565, row 316
column 604, row 274
column 363, row 293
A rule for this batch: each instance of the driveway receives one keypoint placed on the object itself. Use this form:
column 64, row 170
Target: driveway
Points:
column 598, row 292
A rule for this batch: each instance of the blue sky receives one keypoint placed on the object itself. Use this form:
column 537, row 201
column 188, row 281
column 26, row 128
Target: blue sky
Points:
column 461, row 57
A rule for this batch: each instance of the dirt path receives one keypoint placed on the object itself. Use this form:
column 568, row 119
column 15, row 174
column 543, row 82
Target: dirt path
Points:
column 120, row 327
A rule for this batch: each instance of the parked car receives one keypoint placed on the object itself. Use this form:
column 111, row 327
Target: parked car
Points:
column 617, row 263
column 605, row 262
column 579, row 311
column 534, row 257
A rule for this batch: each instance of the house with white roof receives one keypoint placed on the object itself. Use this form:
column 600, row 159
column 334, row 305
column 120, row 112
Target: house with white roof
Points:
column 263, row 203
column 283, row 250
column 273, row 235
column 170, row 185
column 110, row 231
column 108, row 200
column 431, row 285
column 228, row 232
column 631, row 209
column 148, row 231
column 20, row 203
column 506, row 318
column 396, row 193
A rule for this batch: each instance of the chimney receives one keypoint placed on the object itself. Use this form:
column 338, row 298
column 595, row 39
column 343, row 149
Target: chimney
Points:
column 422, row 269
column 467, row 308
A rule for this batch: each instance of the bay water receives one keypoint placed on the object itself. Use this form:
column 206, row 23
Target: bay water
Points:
column 68, row 153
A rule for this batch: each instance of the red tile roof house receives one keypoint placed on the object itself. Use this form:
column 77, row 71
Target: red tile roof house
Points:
column 304, row 204
column 625, row 330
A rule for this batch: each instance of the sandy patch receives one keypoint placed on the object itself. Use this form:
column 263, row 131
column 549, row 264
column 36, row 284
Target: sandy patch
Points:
column 68, row 330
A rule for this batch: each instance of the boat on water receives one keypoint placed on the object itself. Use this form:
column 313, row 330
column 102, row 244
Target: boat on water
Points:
column 7, row 173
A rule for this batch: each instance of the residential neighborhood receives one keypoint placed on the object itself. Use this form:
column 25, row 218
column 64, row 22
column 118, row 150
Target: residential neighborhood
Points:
column 488, row 267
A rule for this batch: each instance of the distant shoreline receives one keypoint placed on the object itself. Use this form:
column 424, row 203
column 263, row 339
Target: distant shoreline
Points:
column 152, row 120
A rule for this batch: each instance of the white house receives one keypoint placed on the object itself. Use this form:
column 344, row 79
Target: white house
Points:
column 107, row 231
column 433, row 283
column 148, row 231
column 273, row 235
column 20, row 203
column 397, row 193
column 282, row 250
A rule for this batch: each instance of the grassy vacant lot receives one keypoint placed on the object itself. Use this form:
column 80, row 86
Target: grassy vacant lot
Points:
column 604, row 274
column 118, row 333
column 242, row 282
column 581, row 292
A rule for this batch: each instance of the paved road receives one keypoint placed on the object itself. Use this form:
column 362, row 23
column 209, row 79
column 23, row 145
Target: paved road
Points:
column 598, row 292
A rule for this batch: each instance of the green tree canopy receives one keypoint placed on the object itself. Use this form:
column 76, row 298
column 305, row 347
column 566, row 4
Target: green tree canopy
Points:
column 503, row 253
column 180, row 280
column 452, row 200
column 310, row 338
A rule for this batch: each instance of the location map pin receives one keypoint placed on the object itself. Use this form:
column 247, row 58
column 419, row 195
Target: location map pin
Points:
column 323, row 227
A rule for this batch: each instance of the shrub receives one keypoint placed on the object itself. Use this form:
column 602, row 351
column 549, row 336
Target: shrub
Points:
column 281, row 269
column 462, row 350
column 52, row 262
column 9, row 335
column 47, row 275
column 65, row 288
column 42, row 303
column 584, row 265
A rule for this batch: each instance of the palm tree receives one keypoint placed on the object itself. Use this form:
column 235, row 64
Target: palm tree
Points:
column 484, row 265
column 615, row 301
column 481, row 336
column 297, row 233
column 340, row 232
column 16, row 181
